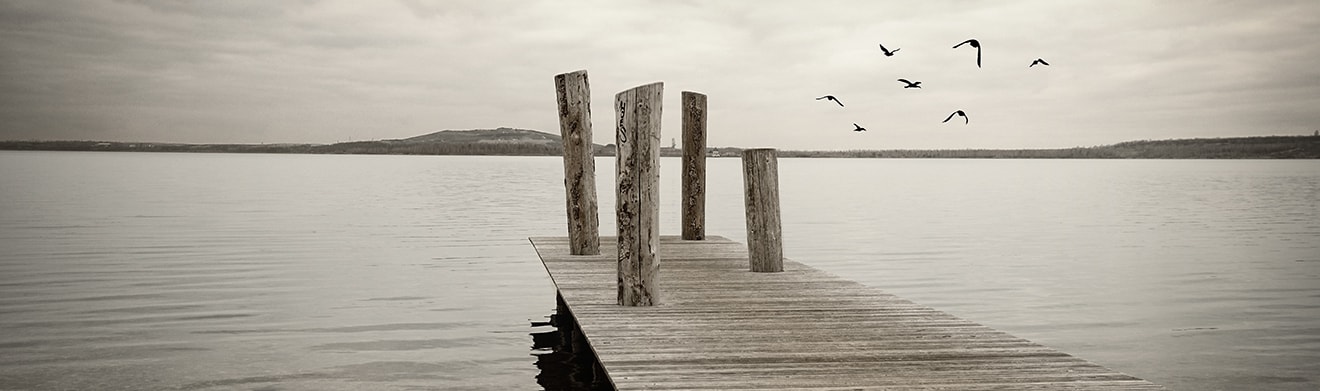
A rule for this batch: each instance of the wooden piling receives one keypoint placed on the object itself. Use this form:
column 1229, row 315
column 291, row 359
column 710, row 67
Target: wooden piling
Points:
column 694, row 166
column 574, row 95
column 637, row 112
column 765, row 250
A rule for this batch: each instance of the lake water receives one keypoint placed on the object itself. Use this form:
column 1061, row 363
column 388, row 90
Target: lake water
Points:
column 314, row 272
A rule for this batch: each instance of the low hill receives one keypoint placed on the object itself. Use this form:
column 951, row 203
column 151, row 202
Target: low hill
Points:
column 1263, row 147
column 498, row 141
column 497, row 135
column 1267, row 147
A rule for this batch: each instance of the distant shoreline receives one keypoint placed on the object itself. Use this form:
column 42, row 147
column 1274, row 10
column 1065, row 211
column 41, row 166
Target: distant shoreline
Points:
column 1261, row 147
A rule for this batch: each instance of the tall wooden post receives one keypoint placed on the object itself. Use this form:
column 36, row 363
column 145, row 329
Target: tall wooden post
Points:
column 637, row 166
column 765, row 248
column 579, row 163
column 694, row 166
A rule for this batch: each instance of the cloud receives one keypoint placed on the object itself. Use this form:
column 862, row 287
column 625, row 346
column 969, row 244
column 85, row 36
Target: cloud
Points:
column 334, row 70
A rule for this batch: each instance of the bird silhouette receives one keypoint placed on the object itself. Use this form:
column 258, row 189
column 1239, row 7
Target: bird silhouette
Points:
column 959, row 112
column 1038, row 61
column 888, row 53
column 976, row 44
column 831, row 97
column 858, row 128
column 910, row 84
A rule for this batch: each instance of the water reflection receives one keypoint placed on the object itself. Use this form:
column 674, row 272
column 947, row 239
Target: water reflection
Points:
column 567, row 363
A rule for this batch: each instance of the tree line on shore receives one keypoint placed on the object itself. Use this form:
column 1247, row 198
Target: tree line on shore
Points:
column 1265, row 147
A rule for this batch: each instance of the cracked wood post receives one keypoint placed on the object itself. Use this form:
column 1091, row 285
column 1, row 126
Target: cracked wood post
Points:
column 579, row 162
column 694, row 166
column 638, row 204
column 765, row 248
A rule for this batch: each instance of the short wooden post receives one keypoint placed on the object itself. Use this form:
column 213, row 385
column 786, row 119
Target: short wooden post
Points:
column 694, row 166
column 638, row 179
column 765, row 248
column 579, row 163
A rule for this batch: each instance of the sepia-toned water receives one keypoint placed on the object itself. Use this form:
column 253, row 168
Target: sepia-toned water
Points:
column 132, row 271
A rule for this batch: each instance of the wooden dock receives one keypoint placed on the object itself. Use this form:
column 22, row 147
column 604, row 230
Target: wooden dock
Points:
column 720, row 326
column 662, row 313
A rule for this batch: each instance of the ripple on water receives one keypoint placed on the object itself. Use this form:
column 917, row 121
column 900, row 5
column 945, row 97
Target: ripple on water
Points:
column 211, row 271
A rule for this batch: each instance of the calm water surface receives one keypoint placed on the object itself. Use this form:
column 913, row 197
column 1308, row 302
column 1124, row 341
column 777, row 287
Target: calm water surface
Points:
column 304, row 272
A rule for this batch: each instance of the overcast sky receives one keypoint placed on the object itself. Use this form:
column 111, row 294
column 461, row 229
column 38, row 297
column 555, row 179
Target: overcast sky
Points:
column 311, row 71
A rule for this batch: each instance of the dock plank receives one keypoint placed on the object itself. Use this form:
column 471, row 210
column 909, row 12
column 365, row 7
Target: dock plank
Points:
column 720, row 326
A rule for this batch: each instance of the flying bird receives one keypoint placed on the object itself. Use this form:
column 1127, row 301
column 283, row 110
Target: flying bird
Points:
column 858, row 128
column 910, row 84
column 1038, row 61
column 959, row 112
column 889, row 53
column 831, row 97
column 976, row 44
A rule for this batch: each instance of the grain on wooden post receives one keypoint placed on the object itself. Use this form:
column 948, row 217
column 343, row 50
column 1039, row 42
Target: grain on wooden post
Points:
column 694, row 166
column 765, row 249
column 637, row 112
column 579, row 163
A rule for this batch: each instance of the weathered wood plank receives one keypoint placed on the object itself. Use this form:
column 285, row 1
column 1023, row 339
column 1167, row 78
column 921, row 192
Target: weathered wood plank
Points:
column 574, row 97
column 637, row 161
column 765, row 244
column 694, row 166
column 722, row 326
